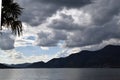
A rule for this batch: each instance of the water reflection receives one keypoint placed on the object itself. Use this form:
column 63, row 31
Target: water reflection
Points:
column 60, row 74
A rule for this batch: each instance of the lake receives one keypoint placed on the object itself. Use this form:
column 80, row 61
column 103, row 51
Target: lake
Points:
column 60, row 74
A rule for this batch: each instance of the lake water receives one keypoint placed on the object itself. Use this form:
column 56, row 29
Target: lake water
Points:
column 60, row 74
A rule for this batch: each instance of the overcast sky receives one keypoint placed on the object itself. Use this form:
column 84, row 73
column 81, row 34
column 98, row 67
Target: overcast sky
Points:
column 57, row 28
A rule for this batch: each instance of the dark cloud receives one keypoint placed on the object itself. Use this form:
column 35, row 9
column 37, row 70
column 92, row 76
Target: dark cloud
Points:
column 36, row 11
column 93, row 36
column 50, row 38
column 64, row 23
column 59, row 35
column 103, row 11
column 90, row 25
column 72, row 22
column 66, row 3
column 46, row 39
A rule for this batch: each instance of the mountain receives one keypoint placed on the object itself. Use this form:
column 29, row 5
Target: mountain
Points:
column 20, row 65
column 108, row 57
column 37, row 65
column 3, row 66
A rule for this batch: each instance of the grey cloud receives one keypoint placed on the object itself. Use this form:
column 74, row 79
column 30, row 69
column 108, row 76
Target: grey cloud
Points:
column 65, row 23
column 36, row 11
column 104, row 23
column 104, row 26
column 46, row 39
column 59, row 35
column 6, row 42
column 103, row 11
column 66, row 3
column 50, row 38
column 93, row 36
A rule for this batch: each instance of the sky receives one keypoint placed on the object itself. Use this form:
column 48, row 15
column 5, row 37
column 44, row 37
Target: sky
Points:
column 58, row 28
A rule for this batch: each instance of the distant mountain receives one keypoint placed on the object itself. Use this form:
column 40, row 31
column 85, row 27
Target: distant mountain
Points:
column 20, row 65
column 38, row 65
column 3, row 66
column 108, row 57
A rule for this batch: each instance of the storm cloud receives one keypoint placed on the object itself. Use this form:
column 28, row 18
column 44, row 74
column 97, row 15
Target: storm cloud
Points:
column 72, row 25
column 89, row 25
column 66, row 3
column 50, row 38
column 36, row 12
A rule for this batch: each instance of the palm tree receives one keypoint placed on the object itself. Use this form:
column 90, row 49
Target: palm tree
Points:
column 10, row 16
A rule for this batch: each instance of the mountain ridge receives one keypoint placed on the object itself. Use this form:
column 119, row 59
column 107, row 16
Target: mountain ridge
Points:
column 105, row 57
column 4, row 66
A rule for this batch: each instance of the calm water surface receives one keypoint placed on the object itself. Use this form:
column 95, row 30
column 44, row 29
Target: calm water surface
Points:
column 60, row 74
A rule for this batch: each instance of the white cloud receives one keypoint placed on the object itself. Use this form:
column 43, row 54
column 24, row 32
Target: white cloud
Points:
column 32, row 59
column 66, row 52
column 45, row 48
column 15, row 57
column 27, row 38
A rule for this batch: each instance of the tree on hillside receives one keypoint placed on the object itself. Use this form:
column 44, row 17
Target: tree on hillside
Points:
column 10, row 16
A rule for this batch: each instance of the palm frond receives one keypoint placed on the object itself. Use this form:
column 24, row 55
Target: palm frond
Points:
column 10, row 15
column 17, row 27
